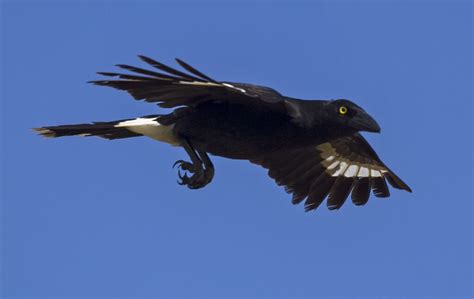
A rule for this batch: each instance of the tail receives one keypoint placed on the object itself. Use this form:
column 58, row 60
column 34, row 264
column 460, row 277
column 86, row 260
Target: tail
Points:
column 109, row 130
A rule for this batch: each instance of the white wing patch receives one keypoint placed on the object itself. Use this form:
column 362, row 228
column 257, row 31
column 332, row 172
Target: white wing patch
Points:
column 232, row 86
column 342, row 168
column 333, row 165
column 375, row 173
column 351, row 171
column 338, row 165
column 199, row 83
column 363, row 172
column 150, row 127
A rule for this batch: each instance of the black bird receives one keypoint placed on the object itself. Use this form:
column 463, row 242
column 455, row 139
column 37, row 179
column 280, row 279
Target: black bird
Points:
column 312, row 147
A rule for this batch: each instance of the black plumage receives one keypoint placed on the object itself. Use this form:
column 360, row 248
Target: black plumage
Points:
column 311, row 147
column 361, row 192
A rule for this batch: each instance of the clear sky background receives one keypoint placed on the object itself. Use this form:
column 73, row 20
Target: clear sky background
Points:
column 91, row 218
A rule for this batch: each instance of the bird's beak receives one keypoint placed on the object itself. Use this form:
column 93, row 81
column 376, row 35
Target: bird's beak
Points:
column 364, row 122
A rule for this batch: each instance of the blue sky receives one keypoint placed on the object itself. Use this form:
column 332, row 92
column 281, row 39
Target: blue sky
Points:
column 90, row 218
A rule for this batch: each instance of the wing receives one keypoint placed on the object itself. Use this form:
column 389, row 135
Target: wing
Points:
column 171, row 88
column 333, row 169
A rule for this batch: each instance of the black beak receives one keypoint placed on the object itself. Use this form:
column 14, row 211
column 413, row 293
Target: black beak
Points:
column 364, row 122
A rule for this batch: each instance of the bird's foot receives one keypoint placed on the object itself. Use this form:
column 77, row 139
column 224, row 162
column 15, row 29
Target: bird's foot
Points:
column 199, row 178
column 184, row 165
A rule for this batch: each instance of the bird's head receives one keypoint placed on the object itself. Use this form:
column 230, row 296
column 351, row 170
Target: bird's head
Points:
column 348, row 115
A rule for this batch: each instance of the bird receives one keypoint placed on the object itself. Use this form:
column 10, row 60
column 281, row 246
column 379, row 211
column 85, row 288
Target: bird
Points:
column 313, row 148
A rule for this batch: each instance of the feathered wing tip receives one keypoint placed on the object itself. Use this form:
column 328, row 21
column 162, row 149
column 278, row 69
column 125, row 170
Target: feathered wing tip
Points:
column 397, row 182
column 337, row 189
column 167, row 73
column 194, row 71
column 361, row 192
column 168, row 87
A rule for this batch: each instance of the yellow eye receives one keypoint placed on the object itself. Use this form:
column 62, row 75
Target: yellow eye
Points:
column 342, row 110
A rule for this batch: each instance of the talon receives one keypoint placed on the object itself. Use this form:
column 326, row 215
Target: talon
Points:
column 184, row 179
column 184, row 165
column 178, row 162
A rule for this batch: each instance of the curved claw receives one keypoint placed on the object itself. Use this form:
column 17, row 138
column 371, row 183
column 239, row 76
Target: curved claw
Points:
column 183, row 178
column 184, row 165
column 178, row 162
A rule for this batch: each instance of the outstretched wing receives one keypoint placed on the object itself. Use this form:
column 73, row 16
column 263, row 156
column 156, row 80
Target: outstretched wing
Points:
column 171, row 88
column 333, row 169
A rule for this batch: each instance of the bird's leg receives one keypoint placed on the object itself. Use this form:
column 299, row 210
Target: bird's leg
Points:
column 208, row 166
column 200, row 176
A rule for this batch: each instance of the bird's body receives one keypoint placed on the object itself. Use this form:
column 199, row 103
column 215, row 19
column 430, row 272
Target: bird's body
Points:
column 235, row 131
column 313, row 148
